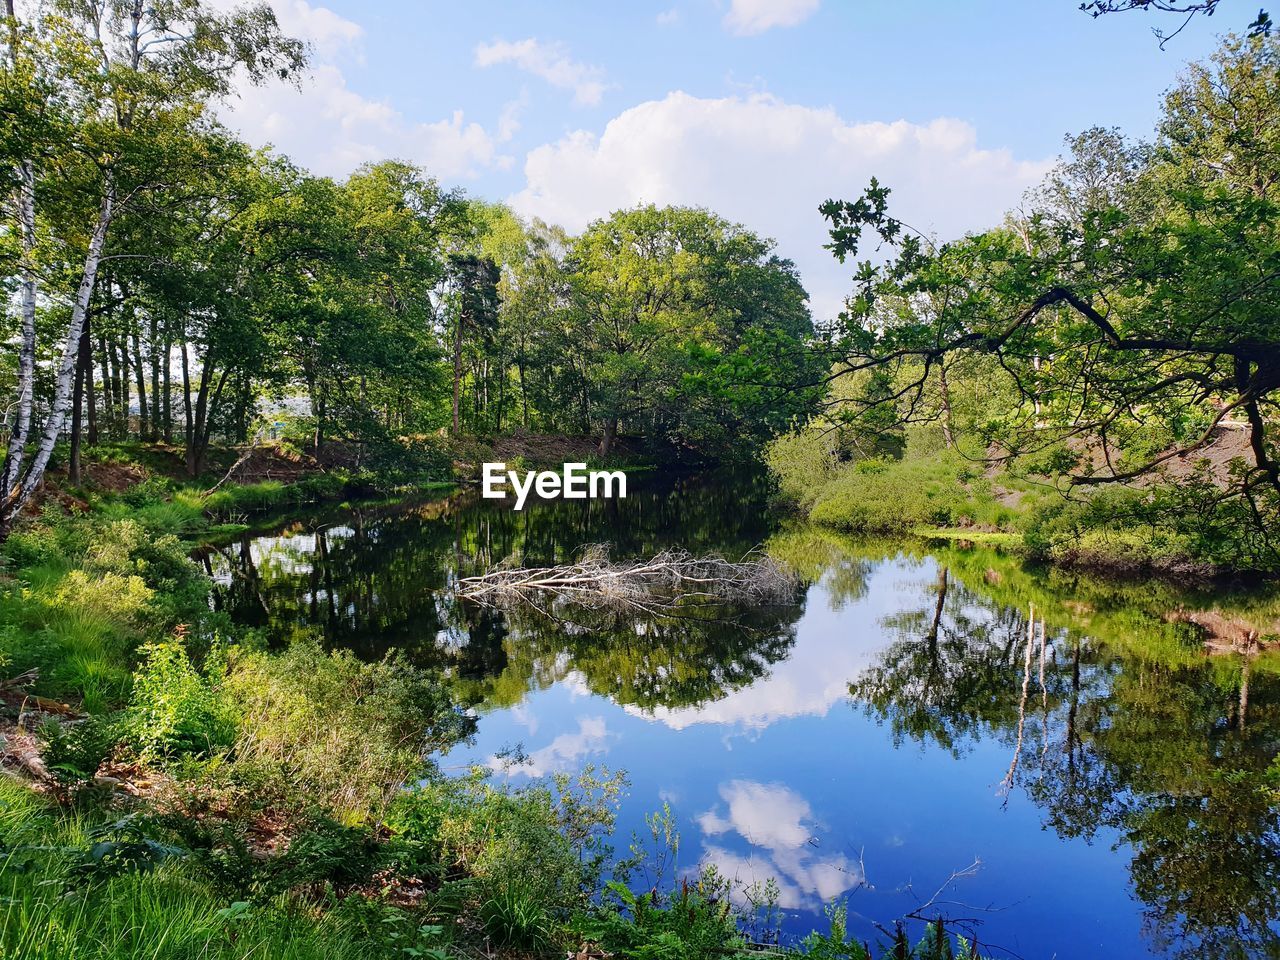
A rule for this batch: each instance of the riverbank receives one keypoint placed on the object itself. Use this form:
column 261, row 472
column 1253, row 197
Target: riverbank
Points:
column 176, row 785
column 1135, row 532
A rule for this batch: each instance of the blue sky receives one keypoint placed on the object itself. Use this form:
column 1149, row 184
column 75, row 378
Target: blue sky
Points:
column 758, row 109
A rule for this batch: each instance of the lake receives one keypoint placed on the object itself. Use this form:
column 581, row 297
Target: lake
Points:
column 1049, row 760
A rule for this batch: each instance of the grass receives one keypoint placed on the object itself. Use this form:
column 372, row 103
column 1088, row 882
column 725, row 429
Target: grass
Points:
column 1162, row 530
column 888, row 496
column 49, row 912
column 987, row 538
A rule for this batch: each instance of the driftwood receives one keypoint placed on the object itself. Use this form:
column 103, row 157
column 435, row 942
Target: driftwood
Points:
column 13, row 694
column 249, row 452
column 665, row 583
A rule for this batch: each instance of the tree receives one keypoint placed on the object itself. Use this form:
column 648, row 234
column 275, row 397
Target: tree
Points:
column 1131, row 308
column 1191, row 8
column 131, row 80
column 689, row 327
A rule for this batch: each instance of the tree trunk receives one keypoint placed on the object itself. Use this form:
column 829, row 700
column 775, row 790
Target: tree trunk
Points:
column 21, row 431
column 90, row 400
column 610, row 435
column 524, row 393
column 457, row 369
column 944, row 392
column 120, row 383
column 144, row 427
column 11, row 469
column 108, row 406
column 84, row 371
column 15, row 501
column 154, row 357
column 167, row 411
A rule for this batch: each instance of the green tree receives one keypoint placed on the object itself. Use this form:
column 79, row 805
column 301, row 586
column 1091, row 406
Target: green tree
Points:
column 132, row 81
column 691, row 328
column 1130, row 311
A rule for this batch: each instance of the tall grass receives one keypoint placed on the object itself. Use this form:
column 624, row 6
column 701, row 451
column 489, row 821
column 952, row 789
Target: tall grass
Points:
column 49, row 912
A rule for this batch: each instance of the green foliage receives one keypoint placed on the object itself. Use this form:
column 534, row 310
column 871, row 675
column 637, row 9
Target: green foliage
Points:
column 692, row 331
column 876, row 496
column 391, row 932
column 514, row 913
column 320, row 856
column 835, row 944
column 73, row 752
column 696, row 922
column 176, row 709
column 326, row 728
column 119, row 891
column 120, row 848
column 1119, row 318
column 803, row 461
column 88, row 589
column 467, row 825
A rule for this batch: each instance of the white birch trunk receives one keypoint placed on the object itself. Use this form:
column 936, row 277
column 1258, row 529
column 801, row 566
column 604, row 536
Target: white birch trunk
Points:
column 14, row 503
column 27, row 355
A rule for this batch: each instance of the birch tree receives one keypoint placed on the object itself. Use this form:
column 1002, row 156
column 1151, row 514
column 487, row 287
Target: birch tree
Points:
column 135, row 78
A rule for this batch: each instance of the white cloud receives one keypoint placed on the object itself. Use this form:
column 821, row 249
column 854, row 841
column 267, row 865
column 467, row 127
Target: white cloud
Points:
column 778, row 824
column 328, row 33
column 509, row 118
column 769, row 164
column 669, row 18
column 549, row 61
column 563, row 753
column 836, row 644
column 331, row 129
column 769, row 815
column 749, row 17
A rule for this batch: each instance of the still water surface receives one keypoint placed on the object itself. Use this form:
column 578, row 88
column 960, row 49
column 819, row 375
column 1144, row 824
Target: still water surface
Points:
column 1103, row 788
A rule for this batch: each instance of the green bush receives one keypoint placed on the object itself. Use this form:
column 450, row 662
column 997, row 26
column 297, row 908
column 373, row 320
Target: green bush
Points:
column 175, row 709
column 329, row 729
column 695, row 922
column 73, row 752
column 465, row 826
column 803, row 462
column 491, row 834
column 877, row 496
column 514, row 913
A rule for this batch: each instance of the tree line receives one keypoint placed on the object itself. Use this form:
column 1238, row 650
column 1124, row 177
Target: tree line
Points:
column 171, row 283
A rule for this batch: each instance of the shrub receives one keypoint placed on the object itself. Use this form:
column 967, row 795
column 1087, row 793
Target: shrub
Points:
column 695, row 922
column 514, row 913
column 426, row 456
column 467, row 826
column 73, row 752
column 175, row 710
column 121, row 601
column 876, row 496
column 803, row 463
column 338, row 732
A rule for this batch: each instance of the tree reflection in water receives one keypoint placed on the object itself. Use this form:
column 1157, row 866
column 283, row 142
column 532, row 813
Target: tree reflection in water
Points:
column 1125, row 728
column 378, row 580
column 1178, row 757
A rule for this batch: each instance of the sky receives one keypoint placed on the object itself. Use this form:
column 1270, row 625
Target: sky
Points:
column 756, row 109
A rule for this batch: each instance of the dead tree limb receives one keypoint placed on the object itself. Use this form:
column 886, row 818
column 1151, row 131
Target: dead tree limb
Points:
column 668, row 581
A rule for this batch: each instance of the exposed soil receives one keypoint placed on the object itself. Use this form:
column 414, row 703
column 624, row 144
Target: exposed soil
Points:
column 1229, row 441
column 545, row 448
column 273, row 462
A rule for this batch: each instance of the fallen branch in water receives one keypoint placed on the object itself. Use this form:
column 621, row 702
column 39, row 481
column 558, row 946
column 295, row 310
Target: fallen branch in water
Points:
column 664, row 583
